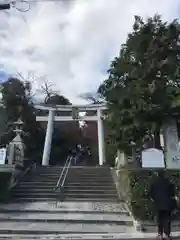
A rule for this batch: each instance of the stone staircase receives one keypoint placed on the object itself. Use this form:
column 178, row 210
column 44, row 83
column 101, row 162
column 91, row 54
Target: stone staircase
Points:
column 38, row 185
column 90, row 210
column 90, row 184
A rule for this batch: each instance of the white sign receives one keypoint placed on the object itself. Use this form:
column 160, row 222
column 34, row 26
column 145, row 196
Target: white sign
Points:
column 2, row 155
column 152, row 158
column 172, row 149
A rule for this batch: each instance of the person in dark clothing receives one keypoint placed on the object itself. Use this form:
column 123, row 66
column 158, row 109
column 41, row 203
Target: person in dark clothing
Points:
column 162, row 193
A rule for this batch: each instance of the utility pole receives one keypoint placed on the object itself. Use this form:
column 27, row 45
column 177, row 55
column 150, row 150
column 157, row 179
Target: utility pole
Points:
column 5, row 6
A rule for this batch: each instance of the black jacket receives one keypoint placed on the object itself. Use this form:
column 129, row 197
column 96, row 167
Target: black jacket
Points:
column 162, row 192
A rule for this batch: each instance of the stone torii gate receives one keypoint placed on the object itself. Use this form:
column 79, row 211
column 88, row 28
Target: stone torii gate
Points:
column 51, row 118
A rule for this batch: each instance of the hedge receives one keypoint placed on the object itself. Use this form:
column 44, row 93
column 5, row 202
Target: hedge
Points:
column 4, row 182
column 135, row 186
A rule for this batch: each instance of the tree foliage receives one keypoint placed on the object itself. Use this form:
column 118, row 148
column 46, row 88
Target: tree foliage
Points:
column 57, row 100
column 94, row 98
column 16, row 97
column 143, row 85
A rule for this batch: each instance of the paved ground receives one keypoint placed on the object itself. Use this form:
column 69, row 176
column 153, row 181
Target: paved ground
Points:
column 150, row 227
column 84, row 237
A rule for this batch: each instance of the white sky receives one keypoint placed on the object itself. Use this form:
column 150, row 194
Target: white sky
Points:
column 72, row 42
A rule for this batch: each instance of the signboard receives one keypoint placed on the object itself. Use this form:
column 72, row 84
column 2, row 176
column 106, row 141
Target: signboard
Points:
column 171, row 142
column 153, row 158
column 2, row 155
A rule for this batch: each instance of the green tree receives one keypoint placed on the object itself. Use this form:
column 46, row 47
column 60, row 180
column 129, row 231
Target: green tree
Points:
column 16, row 97
column 143, row 85
column 57, row 99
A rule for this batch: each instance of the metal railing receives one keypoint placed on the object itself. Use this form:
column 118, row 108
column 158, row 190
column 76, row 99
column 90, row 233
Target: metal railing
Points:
column 64, row 173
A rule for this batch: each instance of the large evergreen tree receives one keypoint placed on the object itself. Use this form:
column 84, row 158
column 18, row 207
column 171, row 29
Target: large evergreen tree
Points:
column 143, row 85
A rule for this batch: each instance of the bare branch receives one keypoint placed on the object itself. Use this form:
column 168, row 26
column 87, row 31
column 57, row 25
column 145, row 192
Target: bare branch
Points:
column 47, row 89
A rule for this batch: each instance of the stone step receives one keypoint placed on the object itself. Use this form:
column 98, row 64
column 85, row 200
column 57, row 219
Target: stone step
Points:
column 90, row 191
column 85, row 236
column 67, row 206
column 89, row 173
column 41, row 179
column 40, row 185
column 50, row 169
column 37, row 182
column 31, row 177
column 89, row 170
column 35, row 194
column 7, row 227
column 43, row 168
column 89, row 180
column 46, row 171
column 31, row 199
column 90, row 195
column 33, row 191
column 64, row 212
column 92, row 173
column 90, row 187
column 68, row 187
column 55, row 175
column 74, row 195
column 25, row 187
column 85, row 167
column 67, row 184
column 89, row 176
column 92, row 184
column 45, row 174
column 94, row 199
column 66, row 190
column 83, row 217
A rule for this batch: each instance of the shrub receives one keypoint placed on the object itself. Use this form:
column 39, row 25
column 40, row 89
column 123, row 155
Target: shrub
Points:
column 137, row 184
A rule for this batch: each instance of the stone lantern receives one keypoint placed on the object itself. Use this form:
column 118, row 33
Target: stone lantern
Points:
column 17, row 147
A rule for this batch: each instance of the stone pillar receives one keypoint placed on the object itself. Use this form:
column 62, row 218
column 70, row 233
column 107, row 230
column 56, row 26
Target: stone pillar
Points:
column 11, row 153
column 100, row 137
column 48, row 139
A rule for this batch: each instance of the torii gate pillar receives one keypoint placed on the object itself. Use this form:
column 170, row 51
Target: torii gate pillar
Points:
column 100, row 137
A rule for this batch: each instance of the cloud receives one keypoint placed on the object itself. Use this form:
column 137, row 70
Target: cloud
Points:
column 72, row 44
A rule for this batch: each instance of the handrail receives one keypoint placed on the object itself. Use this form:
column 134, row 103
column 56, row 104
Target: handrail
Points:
column 62, row 172
column 67, row 170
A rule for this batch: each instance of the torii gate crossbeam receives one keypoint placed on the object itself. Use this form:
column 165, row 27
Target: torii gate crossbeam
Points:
column 50, row 125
